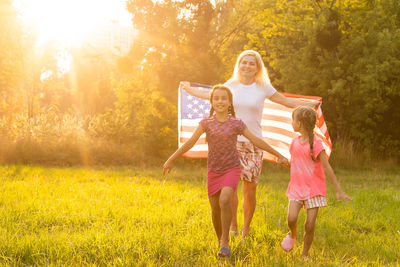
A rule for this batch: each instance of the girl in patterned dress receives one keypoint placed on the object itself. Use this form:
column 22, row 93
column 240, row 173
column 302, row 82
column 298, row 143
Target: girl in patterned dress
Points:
column 307, row 178
column 223, row 164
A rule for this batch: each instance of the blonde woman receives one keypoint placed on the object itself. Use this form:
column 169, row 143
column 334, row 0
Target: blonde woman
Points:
column 250, row 85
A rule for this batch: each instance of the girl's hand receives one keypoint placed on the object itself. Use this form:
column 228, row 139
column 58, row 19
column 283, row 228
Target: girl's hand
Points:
column 167, row 167
column 315, row 103
column 283, row 161
column 340, row 195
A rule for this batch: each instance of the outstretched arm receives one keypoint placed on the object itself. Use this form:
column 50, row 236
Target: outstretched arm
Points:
column 292, row 102
column 332, row 177
column 204, row 94
column 183, row 149
column 258, row 142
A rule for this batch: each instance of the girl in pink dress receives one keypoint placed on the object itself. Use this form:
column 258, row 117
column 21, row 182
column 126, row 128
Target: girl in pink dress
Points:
column 222, row 129
column 307, row 178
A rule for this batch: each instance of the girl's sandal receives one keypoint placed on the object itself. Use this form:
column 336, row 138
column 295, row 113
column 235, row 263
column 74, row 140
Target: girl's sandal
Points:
column 233, row 233
column 287, row 243
column 224, row 253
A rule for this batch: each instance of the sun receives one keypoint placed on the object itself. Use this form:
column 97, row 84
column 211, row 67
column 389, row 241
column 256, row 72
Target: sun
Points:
column 70, row 22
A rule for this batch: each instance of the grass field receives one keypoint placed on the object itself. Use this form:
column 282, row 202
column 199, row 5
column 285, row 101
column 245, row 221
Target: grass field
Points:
column 127, row 216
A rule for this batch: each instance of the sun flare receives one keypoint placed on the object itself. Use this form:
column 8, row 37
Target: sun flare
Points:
column 70, row 21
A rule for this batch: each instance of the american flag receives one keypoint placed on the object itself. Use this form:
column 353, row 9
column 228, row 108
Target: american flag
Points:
column 276, row 123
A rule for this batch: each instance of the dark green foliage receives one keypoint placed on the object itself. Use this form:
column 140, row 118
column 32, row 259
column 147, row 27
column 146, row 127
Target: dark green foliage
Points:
column 346, row 52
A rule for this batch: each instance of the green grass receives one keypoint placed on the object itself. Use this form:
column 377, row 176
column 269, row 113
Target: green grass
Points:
column 127, row 216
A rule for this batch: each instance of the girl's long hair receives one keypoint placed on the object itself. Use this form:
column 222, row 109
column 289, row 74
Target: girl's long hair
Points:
column 231, row 109
column 261, row 77
column 307, row 118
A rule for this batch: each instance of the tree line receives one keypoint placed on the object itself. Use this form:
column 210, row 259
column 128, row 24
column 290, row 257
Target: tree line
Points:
column 122, row 109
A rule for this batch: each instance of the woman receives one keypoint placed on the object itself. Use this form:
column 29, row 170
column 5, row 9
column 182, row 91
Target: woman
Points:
column 250, row 85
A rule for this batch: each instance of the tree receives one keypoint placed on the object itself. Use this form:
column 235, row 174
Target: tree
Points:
column 38, row 62
column 345, row 51
column 11, row 56
column 89, row 80
column 171, row 34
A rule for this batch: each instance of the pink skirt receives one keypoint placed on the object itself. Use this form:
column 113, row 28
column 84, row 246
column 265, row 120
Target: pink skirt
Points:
column 216, row 181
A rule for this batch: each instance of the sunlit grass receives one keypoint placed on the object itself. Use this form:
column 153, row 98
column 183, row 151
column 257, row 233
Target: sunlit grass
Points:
column 124, row 216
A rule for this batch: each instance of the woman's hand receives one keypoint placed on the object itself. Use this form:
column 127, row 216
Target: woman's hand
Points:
column 203, row 94
column 186, row 86
column 167, row 167
column 340, row 195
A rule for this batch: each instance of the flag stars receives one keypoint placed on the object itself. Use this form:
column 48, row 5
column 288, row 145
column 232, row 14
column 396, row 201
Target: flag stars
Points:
column 194, row 108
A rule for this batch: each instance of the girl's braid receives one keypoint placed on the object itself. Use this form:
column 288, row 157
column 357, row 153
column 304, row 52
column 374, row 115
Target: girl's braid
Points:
column 307, row 117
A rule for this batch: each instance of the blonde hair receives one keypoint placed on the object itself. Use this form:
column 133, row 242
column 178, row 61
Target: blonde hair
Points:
column 261, row 76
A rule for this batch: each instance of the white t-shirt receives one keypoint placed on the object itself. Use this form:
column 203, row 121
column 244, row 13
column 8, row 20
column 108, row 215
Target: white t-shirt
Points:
column 248, row 101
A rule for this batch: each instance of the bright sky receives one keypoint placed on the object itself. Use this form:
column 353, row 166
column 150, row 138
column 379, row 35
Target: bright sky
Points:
column 69, row 21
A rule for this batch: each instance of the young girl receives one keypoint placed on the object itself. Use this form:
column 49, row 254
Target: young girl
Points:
column 307, row 179
column 222, row 129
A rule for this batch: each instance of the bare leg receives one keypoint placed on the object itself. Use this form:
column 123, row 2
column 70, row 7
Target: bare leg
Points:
column 216, row 215
column 225, row 204
column 235, row 201
column 249, row 205
column 309, row 229
column 293, row 213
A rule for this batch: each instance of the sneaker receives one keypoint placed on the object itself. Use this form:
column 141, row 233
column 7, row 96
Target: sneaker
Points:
column 287, row 243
